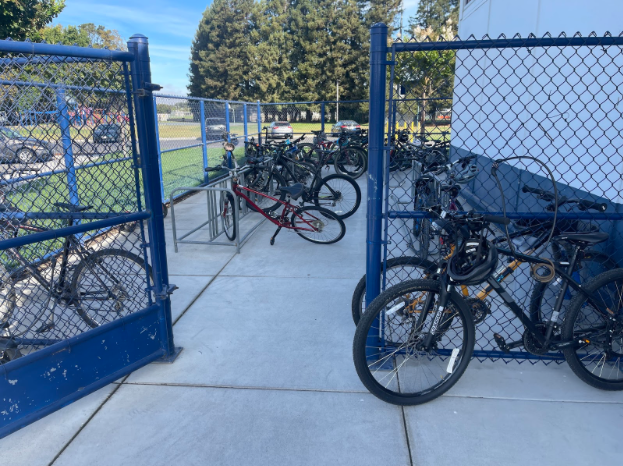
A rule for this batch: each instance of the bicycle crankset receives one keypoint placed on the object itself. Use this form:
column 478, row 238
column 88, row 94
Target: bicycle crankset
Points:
column 532, row 345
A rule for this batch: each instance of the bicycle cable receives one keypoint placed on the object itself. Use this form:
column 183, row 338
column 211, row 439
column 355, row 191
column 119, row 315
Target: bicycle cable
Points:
column 494, row 172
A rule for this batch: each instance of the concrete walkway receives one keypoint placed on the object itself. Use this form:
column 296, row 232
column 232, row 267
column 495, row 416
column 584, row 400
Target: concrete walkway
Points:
column 266, row 378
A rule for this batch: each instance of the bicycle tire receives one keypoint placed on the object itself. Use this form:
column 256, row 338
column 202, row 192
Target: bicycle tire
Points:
column 227, row 213
column 351, row 156
column 125, row 265
column 323, row 217
column 544, row 294
column 608, row 332
column 7, row 297
column 359, row 295
column 421, row 229
column 266, row 182
column 365, row 348
column 344, row 187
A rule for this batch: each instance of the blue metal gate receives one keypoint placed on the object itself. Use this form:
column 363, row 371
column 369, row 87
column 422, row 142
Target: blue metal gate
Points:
column 84, row 291
column 557, row 99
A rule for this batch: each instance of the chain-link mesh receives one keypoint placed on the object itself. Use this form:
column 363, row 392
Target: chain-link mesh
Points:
column 185, row 146
column 66, row 149
column 555, row 102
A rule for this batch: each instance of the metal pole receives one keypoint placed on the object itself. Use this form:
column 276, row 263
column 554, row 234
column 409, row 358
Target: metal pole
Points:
column 148, row 146
column 259, row 123
column 378, row 69
column 204, row 145
column 322, row 110
column 337, row 104
column 246, row 121
column 63, row 122
column 159, row 152
column 227, row 121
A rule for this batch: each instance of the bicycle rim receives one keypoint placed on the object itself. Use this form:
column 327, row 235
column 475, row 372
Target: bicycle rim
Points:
column 388, row 350
column 339, row 194
column 318, row 225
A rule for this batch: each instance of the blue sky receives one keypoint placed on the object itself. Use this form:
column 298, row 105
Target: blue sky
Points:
column 169, row 25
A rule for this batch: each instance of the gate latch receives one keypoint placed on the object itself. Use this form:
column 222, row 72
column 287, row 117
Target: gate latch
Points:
column 151, row 87
column 167, row 292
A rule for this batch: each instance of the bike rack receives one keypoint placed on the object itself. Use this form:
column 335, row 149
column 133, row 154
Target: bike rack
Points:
column 215, row 228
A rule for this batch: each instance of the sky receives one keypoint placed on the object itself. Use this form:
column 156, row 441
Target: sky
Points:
column 169, row 25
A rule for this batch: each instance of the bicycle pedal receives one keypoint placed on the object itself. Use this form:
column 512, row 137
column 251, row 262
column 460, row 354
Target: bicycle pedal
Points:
column 501, row 342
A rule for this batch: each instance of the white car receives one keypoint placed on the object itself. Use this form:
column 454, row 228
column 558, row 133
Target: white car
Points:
column 280, row 129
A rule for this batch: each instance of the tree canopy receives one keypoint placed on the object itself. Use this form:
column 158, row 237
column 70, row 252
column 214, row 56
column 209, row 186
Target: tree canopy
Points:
column 21, row 19
column 278, row 50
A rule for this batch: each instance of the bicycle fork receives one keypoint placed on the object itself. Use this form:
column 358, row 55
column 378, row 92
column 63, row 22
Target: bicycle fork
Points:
column 439, row 312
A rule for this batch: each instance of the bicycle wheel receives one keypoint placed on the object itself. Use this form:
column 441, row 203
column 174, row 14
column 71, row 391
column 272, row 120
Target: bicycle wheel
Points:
column 351, row 161
column 7, row 298
column 595, row 323
column 227, row 215
column 338, row 193
column 306, row 149
column 388, row 348
column 318, row 225
column 543, row 296
column 398, row 270
column 267, row 182
column 421, row 230
column 110, row 284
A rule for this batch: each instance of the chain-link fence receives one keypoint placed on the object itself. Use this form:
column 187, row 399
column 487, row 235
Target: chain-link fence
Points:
column 549, row 112
column 77, row 269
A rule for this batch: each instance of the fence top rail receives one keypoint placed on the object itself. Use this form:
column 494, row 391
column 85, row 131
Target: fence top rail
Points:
column 183, row 97
column 57, row 50
column 317, row 102
column 503, row 42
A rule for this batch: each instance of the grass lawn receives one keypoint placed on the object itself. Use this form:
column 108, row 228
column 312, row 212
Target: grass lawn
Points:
column 185, row 167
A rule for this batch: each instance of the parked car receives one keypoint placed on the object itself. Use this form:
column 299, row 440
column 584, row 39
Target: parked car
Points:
column 345, row 126
column 280, row 129
column 445, row 114
column 215, row 127
column 107, row 133
column 17, row 148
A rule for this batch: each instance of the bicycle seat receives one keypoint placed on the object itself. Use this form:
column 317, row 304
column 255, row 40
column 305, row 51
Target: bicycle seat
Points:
column 294, row 191
column 73, row 207
column 583, row 238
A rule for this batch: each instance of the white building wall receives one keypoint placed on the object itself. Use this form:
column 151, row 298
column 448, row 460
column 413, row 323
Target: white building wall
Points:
column 562, row 106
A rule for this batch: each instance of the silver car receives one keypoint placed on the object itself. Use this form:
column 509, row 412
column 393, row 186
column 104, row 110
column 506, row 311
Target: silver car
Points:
column 345, row 126
column 17, row 148
column 280, row 129
column 215, row 127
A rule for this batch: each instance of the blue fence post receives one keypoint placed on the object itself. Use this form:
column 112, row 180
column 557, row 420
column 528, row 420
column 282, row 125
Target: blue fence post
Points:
column 148, row 146
column 204, row 145
column 63, row 122
column 246, row 129
column 378, row 70
column 159, row 152
column 259, row 122
column 322, row 110
column 229, row 163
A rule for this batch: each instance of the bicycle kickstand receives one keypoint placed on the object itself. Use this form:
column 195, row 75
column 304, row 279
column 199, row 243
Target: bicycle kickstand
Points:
column 272, row 240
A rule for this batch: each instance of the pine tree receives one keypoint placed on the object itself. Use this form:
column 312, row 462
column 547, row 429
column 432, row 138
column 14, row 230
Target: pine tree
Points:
column 220, row 54
column 383, row 11
column 269, row 54
column 436, row 14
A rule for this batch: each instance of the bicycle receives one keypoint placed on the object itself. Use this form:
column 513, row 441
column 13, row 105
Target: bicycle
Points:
column 427, row 323
column 338, row 193
column 347, row 158
column 98, row 285
column 312, row 223
column 589, row 261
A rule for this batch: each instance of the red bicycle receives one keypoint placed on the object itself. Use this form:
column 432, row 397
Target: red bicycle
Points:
column 315, row 224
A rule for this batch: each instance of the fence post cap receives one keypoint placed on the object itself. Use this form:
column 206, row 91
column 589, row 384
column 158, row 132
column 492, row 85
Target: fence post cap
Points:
column 378, row 27
column 138, row 38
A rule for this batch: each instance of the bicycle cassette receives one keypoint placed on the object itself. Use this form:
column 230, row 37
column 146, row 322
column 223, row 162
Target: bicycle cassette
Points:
column 478, row 308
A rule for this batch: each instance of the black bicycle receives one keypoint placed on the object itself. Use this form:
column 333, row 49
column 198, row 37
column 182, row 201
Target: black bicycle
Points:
column 97, row 285
column 416, row 339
